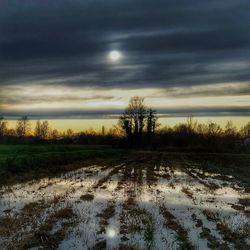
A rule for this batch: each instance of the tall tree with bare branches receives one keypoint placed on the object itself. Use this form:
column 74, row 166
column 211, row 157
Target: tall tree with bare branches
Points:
column 3, row 128
column 135, row 118
column 23, row 127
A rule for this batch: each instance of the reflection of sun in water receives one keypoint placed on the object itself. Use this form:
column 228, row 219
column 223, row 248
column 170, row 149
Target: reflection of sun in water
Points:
column 111, row 232
column 114, row 56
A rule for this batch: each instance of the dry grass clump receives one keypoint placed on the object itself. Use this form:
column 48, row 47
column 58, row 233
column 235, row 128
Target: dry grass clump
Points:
column 172, row 223
column 188, row 192
column 245, row 202
column 126, row 247
column 238, row 207
column 212, row 242
column 7, row 225
column 101, row 182
column 11, row 223
column 87, row 197
column 42, row 236
column 108, row 212
column 100, row 245
column 105, row 215
column 210, row 215
column 138, row 217
column 114, row 171
column 237, row 238
column 210, row 186
column 34, row 207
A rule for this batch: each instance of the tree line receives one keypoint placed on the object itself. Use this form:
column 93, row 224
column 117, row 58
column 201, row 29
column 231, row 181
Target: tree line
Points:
column 137, row 127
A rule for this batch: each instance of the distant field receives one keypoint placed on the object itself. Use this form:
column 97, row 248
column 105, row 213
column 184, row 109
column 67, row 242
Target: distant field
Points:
column 24, row 162
column 12, row 150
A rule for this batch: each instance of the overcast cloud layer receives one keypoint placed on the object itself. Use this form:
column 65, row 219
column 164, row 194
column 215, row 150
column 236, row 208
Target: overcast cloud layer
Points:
column 166, row 44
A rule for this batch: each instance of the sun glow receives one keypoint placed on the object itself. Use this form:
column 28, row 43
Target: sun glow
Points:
column 115, row 56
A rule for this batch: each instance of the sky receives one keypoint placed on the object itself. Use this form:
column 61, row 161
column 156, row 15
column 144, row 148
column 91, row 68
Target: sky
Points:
column 72, row 59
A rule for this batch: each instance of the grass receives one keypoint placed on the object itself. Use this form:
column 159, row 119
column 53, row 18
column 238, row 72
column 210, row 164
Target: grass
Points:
column 20, row 163
column 105, row 215
column 213, row 244
column 26, row 162
column 87, row 197
column 184, row 242
column 236, row 165
column 42, row 238
column 182, row 234
column 149, row 233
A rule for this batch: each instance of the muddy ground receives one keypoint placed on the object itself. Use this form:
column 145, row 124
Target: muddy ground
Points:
column 143, row 202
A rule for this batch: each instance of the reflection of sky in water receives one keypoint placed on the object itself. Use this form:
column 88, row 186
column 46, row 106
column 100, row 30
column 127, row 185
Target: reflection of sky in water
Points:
column 111, row 232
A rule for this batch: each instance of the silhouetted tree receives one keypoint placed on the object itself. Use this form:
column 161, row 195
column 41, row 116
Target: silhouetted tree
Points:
column 134, row 119
column 23, row 127
column 45, row 130
column 3, row 126
column 245, row 131
column 69, row 133
column 103, row 131
column 125, row 122
column 38, row 132
column 230, row 129
column 42, row 130
column 151, row 124
column 191, row 125
column 137, row 110
column 55, row 134
column 11, row 132
column 214, row 129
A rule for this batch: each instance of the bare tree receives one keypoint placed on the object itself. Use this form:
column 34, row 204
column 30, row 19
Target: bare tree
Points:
column 11, row 132
column 191, row 125
column 38, row 133
column 103, row 131
column 55, row 134
column 3, row 127
column 23, row 127
column 125, row 122
column 151, row 121
column 135, row 118
column 137, row 109
column 45, row 130
column 213, row 129
column 69, row 133
column 42, row 130
column 230, row 129
column 245, row 131
column 151, row 124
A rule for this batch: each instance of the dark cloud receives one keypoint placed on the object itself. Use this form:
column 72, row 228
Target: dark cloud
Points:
column 165, row 43
column 111, row 114
column 204, row 91
column 23, row 99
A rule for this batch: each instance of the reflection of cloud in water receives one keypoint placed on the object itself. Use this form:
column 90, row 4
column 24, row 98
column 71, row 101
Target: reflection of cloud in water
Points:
column 111, row 232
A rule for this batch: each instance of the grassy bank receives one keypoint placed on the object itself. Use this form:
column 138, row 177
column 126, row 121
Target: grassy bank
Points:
column 26, row 162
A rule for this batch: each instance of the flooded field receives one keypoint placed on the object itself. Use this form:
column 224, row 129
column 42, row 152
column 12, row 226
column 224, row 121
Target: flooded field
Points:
column 147, row 203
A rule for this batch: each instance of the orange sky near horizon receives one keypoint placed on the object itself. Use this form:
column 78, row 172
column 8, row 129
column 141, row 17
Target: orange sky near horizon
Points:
column 83, row 124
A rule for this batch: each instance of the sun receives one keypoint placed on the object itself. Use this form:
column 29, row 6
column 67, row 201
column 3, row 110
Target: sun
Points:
column 114, row 55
